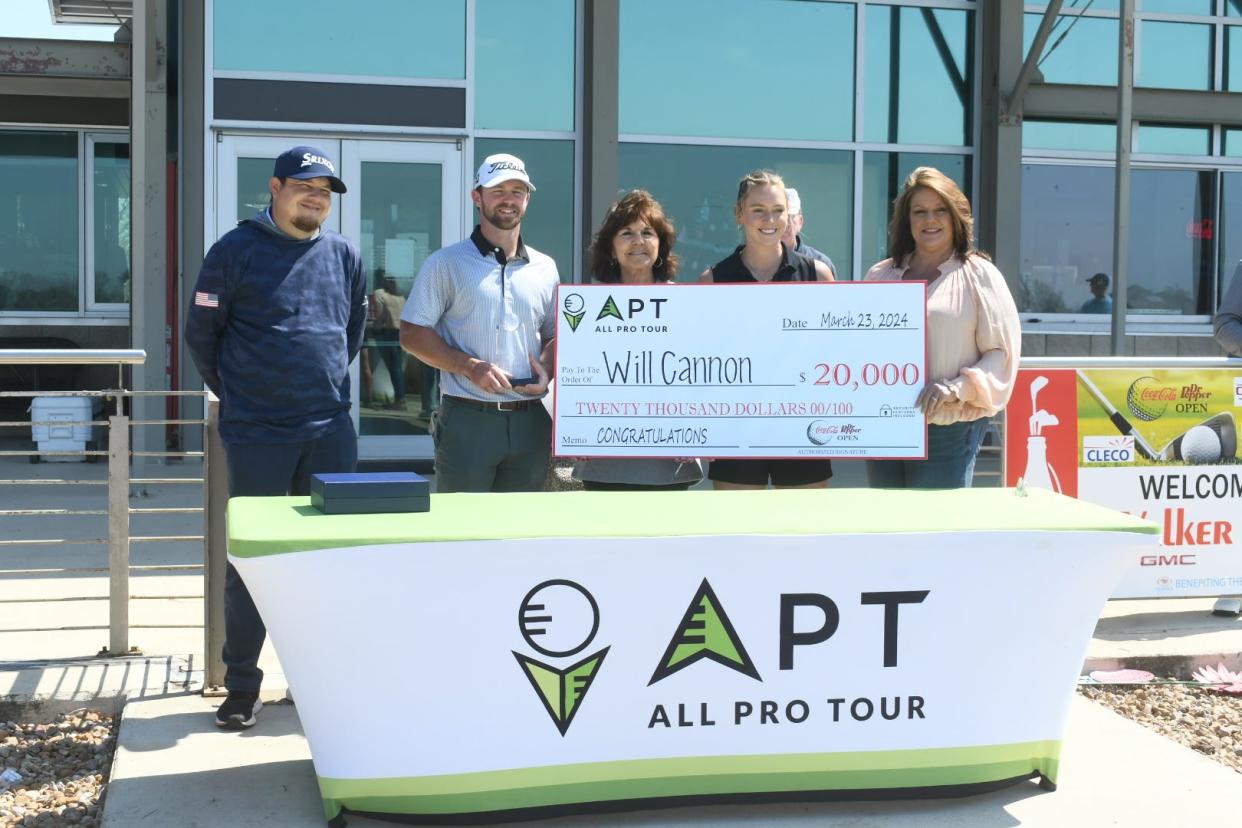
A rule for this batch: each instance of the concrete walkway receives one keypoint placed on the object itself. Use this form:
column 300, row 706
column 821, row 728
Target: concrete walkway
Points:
column 174, row 768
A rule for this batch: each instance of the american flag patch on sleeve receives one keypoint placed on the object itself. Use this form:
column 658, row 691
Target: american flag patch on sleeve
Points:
column 206, row 300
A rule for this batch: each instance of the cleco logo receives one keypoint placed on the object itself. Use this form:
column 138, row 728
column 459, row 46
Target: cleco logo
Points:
column 1108, row 449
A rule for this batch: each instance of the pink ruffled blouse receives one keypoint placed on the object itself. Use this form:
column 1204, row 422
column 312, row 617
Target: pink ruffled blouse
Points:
column 974, row 338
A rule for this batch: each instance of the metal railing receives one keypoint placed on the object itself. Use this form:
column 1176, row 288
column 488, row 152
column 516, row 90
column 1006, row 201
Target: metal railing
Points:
column 118, row 483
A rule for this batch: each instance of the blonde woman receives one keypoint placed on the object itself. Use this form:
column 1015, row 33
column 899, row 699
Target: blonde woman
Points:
column 762, row 211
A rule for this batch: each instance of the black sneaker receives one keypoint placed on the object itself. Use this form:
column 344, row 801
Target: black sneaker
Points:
column 239, row 711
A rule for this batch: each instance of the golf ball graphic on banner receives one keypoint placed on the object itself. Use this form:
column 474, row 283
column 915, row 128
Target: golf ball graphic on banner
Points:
column 1200, row 445
column 1148, row 399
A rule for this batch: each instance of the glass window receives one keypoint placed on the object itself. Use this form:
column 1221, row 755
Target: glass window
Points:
column 1233, row 8
column 1173, row 6
column 39, row 268
column 737, row 69
column 1069, row 135
column 883, row 175
column 549, row 225
column 503, row 97
column 253, row 175
column 1233, row 142
column 387, row 38
column 110, row 204
column 400, row 226
column 1169, row 140
column 1067, row 236
column 697, row 185
column 1174, row 55
column 1088, row 54
column 1230, row 226
column 919, row 75
column 1233, row 59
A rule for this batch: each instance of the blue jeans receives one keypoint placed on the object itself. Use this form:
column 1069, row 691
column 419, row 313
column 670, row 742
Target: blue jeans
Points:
column 950, row 463
column 270, row 470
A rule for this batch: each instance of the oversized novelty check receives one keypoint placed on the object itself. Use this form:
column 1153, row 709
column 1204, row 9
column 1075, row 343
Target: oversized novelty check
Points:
column 772, row 371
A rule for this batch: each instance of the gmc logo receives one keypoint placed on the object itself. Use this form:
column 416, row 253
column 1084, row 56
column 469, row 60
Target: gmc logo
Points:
column 1168, row 560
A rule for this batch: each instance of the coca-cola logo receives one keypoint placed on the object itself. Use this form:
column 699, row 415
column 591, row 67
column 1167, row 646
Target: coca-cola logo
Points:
column 1148, row 398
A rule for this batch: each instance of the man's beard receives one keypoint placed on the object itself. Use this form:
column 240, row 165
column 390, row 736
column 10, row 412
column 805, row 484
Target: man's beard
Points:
column 306, row 224
column 502, row 223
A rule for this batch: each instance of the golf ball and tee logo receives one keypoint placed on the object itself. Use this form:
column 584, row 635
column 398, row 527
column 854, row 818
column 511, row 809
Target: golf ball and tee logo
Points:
column 559, row 619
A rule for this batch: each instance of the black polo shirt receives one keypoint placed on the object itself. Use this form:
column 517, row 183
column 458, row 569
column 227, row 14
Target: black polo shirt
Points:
column 794, row 268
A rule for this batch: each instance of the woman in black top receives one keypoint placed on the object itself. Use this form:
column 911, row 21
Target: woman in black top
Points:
column 761, row 211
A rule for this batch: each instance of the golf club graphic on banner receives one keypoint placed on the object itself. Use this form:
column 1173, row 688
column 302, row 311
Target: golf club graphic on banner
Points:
column 1157, row 443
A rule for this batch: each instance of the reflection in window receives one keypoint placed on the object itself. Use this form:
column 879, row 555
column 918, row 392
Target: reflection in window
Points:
column 919, row 73
column 502, row 96
column 388, row 38
column 39, row 221
column 1230, row 226
column 737, row 69
column 1088, row 54
column 1067, row 236
column 253, row 195
column 1069, row 135
column 1174, row 55
column 697, row 185
column 549, row 224
column 883, row 175
column 110, row 202
column 1168, row 140
column 400, row 226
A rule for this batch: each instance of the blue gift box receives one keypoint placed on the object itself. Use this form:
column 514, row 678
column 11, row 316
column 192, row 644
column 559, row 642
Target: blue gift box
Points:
column 370, row 493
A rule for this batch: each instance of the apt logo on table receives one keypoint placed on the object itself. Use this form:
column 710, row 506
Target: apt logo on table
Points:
column 559, row 619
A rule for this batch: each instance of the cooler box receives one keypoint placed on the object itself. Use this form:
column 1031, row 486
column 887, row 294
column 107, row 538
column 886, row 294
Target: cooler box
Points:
column 67, row 437
column 370, row 493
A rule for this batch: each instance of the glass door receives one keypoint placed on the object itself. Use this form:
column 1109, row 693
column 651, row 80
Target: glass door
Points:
column 405, row 201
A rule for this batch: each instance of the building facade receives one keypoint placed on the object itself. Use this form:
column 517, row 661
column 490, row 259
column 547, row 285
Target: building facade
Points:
column 680, row 97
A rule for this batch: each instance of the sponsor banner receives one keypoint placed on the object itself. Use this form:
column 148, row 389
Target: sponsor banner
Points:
column 1157, row 443
column 798, row 370
column 615, row 669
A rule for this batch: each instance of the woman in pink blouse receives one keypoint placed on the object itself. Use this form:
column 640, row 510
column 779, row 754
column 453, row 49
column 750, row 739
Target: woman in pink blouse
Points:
column 973, row 334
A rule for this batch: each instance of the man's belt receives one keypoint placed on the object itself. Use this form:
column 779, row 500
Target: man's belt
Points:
column 505, row 405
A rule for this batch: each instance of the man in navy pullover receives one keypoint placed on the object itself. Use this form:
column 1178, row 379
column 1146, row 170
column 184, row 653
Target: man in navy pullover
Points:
column 278, row 314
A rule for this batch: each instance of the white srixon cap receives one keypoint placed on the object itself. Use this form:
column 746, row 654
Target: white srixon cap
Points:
column 499, row 168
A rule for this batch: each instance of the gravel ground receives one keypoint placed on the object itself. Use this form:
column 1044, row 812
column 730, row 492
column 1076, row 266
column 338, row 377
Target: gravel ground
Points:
column 1203, row 720
column 64, row 767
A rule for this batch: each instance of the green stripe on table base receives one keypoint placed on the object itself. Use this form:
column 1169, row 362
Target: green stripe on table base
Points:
column 694, row 776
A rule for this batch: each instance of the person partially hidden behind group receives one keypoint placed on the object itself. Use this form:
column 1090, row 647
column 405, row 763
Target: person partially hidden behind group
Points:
column 973, row 333
column 762, row 211
column 634, row 246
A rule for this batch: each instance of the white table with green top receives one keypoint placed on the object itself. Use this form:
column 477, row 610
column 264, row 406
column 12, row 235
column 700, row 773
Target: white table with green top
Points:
column 522, row 655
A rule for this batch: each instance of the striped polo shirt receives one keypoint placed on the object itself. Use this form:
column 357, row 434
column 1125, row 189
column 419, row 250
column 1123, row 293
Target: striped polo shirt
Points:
column 500, row 312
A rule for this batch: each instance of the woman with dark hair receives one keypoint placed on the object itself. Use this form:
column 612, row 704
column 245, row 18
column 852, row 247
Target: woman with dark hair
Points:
column 634, row 246
column 762, row 211
column 973, row 335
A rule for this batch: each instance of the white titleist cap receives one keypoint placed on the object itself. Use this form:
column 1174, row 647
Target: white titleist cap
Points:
column 795, row 203
column 499, row 168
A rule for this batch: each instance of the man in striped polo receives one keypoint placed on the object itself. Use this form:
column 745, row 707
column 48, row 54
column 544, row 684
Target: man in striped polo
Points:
column 481, row 311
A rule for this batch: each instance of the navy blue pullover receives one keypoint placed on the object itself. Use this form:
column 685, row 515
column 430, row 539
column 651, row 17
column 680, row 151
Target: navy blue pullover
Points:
column 273, row 325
